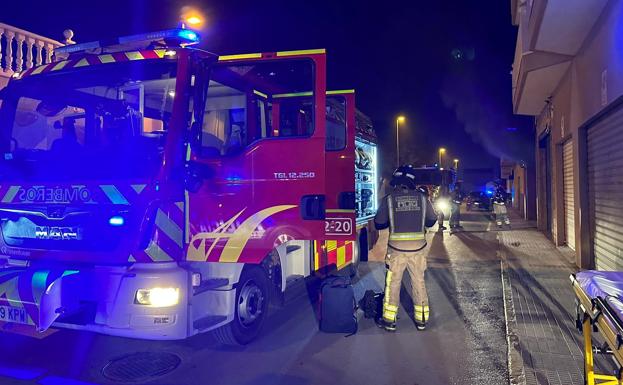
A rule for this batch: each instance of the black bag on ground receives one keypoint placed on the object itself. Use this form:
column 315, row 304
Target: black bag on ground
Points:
column 372, row 304
column 337, row 306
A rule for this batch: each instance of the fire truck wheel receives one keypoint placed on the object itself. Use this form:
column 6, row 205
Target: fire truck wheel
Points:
column 252, row 299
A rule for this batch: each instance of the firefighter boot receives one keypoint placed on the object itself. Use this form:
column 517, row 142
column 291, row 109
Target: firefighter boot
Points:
column 421, row 314
column 390, row 326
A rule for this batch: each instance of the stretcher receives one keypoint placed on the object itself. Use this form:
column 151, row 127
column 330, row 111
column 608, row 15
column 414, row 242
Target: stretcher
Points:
column 599, row 299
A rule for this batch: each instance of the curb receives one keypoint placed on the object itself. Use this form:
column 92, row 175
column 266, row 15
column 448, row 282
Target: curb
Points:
column 516, row 373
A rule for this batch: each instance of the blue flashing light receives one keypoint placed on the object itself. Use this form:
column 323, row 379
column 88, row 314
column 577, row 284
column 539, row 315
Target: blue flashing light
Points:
column 188, row 35
column 116, row 221
column 489, row 192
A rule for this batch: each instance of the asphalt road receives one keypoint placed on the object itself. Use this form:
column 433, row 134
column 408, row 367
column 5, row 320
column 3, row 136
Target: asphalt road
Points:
column 464, row 344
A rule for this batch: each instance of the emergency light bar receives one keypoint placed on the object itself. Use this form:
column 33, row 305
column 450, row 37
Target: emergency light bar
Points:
column 168, row 37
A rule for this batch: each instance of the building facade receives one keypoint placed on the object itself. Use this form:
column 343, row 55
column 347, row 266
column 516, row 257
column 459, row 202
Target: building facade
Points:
column 568, row 74
column 520, row 182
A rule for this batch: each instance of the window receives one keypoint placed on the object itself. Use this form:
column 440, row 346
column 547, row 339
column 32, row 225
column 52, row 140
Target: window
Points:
column 253, row 101
column 336, row 123
column 108, row 121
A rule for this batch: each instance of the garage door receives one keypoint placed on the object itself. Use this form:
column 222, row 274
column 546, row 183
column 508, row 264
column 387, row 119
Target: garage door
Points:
column 567, row 180
column 605, row 189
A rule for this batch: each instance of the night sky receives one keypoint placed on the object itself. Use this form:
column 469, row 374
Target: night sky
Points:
column 444, row 64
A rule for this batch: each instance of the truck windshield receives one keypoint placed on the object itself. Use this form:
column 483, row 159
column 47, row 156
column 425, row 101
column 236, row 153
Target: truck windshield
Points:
column 105, row 121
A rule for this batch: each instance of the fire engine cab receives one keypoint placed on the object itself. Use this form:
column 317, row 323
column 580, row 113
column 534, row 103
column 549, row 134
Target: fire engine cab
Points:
column 153, row 190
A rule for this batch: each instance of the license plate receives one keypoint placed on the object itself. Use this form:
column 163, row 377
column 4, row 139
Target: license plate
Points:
column 13, row 314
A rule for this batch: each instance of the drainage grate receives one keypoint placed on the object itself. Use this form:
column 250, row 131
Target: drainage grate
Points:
column 140, row 366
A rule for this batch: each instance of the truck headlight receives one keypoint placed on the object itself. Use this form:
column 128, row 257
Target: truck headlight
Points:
column 158, row 296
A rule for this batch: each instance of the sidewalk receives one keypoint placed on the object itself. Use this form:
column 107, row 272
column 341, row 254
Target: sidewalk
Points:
column 544, row 345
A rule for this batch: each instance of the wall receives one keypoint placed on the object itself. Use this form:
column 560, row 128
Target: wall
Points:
column 579, row 96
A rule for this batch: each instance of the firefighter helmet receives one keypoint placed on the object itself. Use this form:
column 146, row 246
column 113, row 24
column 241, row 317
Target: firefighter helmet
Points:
column 404, row 176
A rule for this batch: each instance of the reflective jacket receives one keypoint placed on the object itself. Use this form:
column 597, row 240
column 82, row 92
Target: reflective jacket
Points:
column 407, row 213
column 500, row 197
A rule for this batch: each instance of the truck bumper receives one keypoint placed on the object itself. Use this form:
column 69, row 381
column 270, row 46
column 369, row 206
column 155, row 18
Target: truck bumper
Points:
column 103, row 299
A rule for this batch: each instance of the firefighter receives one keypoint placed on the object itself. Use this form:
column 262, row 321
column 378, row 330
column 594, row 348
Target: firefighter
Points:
column 407, row 212
column 499, row 207
column 442, row 205
column 455, row 207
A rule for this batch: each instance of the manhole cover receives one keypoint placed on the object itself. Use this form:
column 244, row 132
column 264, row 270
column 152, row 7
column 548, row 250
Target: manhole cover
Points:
column 141, row 366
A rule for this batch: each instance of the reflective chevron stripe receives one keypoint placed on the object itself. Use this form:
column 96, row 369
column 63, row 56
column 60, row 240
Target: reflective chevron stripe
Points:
column 114, row 194
column 169, row 227
column 156, row 253
column 338, row 253
column 25, row 288
column 95, row 60
column 167, row 242
column 138, row 187
column 10, row 194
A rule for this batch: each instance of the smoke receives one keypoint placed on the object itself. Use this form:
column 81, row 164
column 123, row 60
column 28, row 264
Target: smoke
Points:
column 482, row 117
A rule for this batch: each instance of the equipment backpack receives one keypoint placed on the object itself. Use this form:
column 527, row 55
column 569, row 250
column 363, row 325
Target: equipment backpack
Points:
column 337, row 306
column 372, row 304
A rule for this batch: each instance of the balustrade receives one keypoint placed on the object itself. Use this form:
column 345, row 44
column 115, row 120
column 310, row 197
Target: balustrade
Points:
column 18, row 48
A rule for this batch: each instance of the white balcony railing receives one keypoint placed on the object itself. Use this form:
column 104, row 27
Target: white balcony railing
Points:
column 21, row 50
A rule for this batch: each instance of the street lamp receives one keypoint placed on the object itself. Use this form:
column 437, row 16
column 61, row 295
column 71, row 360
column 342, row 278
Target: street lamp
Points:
column 191, row 18
column 456, row 164
column 400, row 119
column 194, row 20
column 441, row 152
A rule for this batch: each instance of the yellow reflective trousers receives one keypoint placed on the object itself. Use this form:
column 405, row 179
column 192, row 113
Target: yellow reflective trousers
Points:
column 415, row 263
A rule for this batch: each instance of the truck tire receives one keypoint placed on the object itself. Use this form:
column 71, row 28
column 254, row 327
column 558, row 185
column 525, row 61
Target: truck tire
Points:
column 250, row 308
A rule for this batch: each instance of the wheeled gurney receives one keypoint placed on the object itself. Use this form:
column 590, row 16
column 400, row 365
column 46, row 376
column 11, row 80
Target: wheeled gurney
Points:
column 599, row 297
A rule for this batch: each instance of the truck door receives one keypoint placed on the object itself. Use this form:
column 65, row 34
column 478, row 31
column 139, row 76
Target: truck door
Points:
column 257, row 156
column 339, row 248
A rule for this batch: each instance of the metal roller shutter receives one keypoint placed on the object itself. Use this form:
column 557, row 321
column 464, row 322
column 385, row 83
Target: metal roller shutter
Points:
column 605, row 189
column 567, row 180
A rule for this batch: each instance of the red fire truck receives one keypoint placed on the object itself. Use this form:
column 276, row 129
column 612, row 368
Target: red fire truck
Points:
column 152, row 190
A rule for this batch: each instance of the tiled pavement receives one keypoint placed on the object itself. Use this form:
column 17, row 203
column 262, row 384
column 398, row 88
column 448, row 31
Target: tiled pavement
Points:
column 545, row 346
